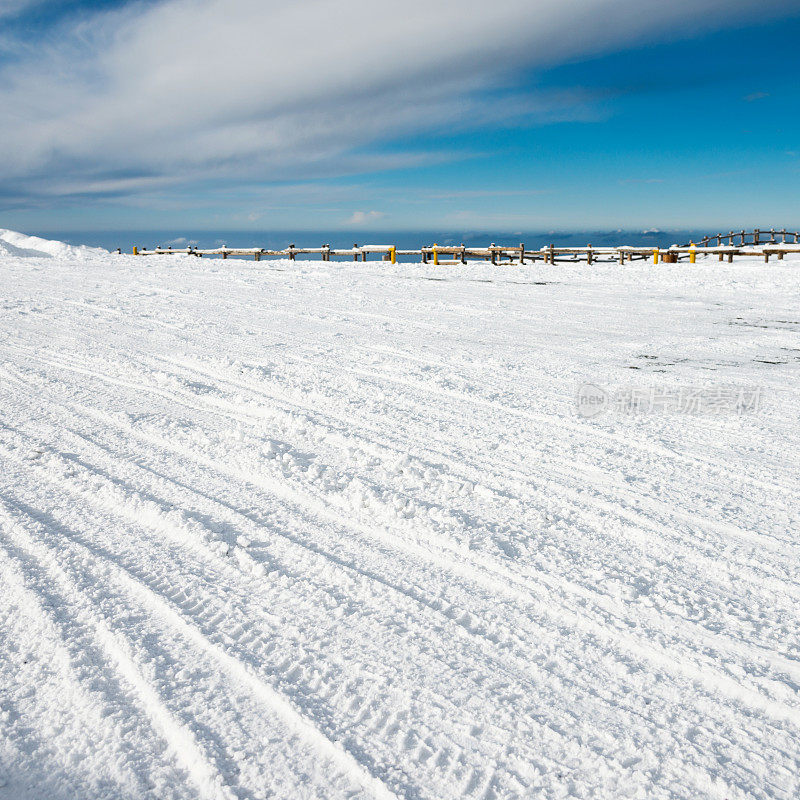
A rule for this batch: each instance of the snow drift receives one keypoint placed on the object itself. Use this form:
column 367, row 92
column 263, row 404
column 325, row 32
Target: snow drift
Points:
column 20, row 244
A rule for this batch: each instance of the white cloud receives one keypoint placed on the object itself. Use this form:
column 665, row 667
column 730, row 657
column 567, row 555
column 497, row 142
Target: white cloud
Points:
column 364, row 217
column 178, row 91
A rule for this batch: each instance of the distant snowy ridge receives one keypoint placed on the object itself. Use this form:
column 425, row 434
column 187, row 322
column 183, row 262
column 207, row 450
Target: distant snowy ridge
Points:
column 13, row 243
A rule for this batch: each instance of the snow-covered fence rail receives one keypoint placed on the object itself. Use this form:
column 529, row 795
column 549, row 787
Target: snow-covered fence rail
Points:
column 493, row 252
column 754, row 237
column 762, row 243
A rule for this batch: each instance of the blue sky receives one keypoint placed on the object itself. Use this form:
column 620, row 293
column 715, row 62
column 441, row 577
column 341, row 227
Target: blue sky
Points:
column 511, row 115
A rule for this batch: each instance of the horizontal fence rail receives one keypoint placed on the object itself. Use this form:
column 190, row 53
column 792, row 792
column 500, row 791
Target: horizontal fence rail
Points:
column 756, row 237
column 761, row 243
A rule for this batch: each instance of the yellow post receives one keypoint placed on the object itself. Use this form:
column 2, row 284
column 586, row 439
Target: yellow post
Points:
column 435, row 254
column 393, row 254
column 692, row 254
column 655, row 255
column 135, row 250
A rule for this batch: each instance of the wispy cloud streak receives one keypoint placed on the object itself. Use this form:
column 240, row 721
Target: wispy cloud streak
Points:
column 181, row 91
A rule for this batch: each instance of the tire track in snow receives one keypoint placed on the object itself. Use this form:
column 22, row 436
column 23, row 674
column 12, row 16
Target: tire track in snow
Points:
column 186, row 748
column 181, row 741
column 580, row 499
column 194, row 366
column 405, row 593
column 346, row 422
column 232, row 330
column 603, row 604
column 564, row 422
column 687, row 664
column 227, row 409
column 236, row 668
column 317, row 655
column 608, row 607
column 148, row 592
column 613, row 608
column 636, row 517
column 622, row 508
column 477, row 784
column 77, row 690
column 487, row 564
column 618, row 634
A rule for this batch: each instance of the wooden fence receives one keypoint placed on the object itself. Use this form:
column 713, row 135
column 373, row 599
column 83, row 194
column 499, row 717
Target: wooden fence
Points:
column 761, row 243
column 756, row 237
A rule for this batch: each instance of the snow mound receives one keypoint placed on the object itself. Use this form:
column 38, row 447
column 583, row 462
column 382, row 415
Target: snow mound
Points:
column 7, row 249
column 20, row 244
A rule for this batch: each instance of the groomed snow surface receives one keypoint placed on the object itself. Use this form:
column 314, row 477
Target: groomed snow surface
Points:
column 306, row 530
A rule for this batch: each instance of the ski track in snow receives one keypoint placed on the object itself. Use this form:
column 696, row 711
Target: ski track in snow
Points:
column 301, row 530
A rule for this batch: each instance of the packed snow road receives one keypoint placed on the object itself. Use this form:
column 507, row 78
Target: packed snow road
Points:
column 337, row 530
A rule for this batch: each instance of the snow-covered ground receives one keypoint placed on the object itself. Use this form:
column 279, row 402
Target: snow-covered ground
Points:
column 336, row 530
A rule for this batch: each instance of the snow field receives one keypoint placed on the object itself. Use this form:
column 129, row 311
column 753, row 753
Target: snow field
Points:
column 298, row 530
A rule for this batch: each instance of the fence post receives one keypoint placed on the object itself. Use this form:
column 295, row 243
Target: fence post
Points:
column 692, row 254
column 589, row 259
column 492, row 253
column 552, row 253
column 655, row 255
column 135, row 250
column 521, row 253
column 435, row 254
column 393, row 254
column 463, row 253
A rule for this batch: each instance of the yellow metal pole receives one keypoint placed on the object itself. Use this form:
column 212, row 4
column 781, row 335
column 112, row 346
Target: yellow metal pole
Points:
column 435, row 254
column 135, row 250
column 393, row 253
column 655, row 255
column 692, row 254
